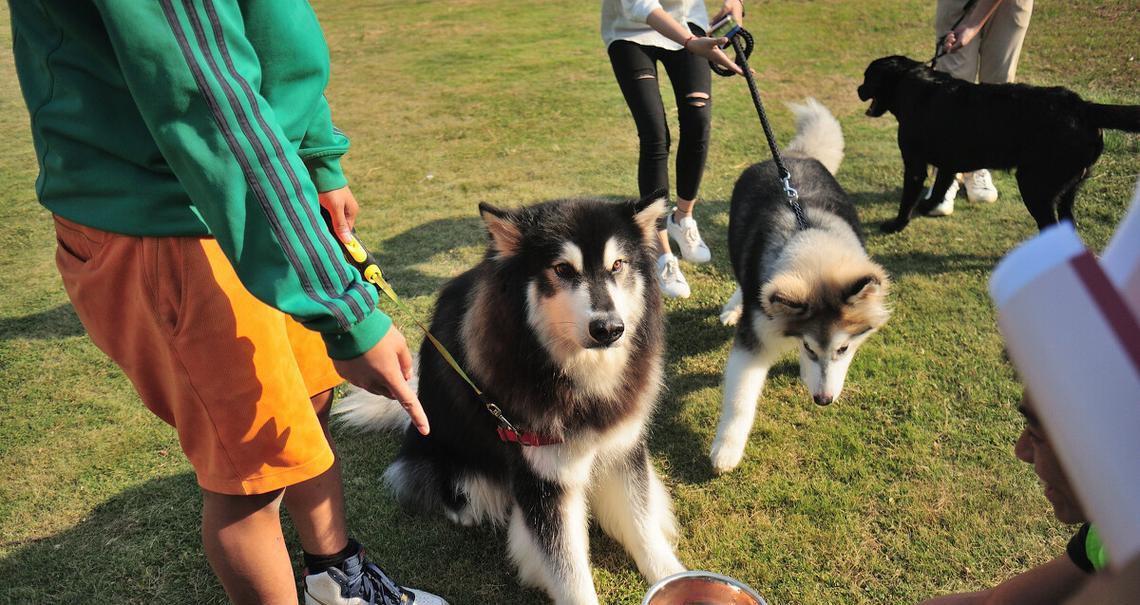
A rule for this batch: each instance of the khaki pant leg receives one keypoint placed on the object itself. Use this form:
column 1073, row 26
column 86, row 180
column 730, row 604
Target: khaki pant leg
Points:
column 1001, row 40
column 964, row 63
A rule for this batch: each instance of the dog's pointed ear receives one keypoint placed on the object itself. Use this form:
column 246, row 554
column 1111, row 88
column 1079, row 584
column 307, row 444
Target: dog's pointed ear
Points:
column 503, row 227
column 872, row 286
column 782, row 301
column 647, row 212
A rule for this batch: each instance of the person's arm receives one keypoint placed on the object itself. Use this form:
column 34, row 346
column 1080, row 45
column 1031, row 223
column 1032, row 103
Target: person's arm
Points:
column 198, row 84
column 968, row 29
column 662, row 22
column 1046, row 584
column 196, row 81
column 733, row 7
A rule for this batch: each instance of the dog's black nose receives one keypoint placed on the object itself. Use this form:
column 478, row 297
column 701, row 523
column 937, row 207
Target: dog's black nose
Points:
column 822, row 399
column 606, row 330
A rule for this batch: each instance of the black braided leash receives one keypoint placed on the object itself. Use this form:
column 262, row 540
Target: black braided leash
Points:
column 743, row 49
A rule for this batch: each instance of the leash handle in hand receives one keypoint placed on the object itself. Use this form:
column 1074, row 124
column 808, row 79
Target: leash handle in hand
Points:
column 938, row 50
column 728, row 28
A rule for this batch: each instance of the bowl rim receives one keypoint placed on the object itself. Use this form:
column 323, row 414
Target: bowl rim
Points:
column 657, row 586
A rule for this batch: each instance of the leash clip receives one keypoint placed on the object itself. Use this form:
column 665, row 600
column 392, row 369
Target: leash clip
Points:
column 497, row 413
column 790, row 191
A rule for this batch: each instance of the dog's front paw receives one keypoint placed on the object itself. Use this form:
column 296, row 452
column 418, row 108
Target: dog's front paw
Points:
column 893, row 226
column 726, row 456
column 464, row 516
column 730, row 317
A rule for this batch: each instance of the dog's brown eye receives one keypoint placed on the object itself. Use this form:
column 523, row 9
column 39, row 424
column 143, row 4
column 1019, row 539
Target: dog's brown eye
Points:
column 618, row 264
column 842, row 349
column 565, row 270
column 811, row 353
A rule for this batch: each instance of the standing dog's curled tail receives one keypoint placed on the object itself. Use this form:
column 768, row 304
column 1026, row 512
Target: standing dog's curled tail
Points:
column 1115, row 117
column 818, row 134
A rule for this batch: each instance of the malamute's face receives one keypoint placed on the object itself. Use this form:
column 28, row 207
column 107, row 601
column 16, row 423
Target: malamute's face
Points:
column 586, row 270
column 831, row 319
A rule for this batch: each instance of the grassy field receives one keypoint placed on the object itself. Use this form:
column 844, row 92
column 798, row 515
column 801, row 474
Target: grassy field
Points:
column 905, row 488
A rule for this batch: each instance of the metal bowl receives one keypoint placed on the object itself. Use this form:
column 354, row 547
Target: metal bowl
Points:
column 701, row 588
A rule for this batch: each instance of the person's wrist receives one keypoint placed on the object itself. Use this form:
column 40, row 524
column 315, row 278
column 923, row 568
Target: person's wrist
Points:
column 685, row 44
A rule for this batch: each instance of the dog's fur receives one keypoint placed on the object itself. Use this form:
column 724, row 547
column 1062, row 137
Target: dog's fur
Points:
column 561, row 323
column 813, row 289
column 1050, row 135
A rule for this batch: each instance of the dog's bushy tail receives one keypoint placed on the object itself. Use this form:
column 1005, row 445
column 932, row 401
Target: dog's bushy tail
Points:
column 818, row 134
column 1115, row 117
column 362, row 411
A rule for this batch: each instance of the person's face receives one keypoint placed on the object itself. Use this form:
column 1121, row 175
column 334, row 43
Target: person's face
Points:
column 1033, row 447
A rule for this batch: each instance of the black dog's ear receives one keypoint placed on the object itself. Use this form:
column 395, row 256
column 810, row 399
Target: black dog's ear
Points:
column 503, row 227
column 648, row 211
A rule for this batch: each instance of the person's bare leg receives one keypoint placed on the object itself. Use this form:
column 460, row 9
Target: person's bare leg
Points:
column 663, row 243
column 684, row 209
column 316, row 506
column 244, row 545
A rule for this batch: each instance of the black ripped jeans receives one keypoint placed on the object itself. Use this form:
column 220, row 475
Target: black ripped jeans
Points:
column 635, row 67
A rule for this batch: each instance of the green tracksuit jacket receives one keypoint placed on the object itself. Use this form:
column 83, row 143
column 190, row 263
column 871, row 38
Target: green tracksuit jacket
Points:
column 198, row 117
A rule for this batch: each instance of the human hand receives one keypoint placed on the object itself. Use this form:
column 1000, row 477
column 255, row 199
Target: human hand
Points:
column 733, row 7
column 709, row 48
column 342, row 207
column 385, row 370
column 959, row 37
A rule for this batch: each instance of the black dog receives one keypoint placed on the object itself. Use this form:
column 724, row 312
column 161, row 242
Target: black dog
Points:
column 1050, row 135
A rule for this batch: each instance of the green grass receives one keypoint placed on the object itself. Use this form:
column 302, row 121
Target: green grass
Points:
column 905, row 488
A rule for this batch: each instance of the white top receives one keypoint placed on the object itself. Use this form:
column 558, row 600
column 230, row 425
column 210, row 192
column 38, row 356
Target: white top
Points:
column 625, row 20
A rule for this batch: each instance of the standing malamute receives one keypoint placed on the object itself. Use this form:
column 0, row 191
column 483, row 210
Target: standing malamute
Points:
column 813, row 289
column 561, row 324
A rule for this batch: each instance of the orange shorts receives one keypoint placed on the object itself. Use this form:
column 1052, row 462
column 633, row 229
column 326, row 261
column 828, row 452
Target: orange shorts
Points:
column 233, row 375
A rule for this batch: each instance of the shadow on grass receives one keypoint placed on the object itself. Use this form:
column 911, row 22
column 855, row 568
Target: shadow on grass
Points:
column 143, row 545
column 60, row 322
column 139, row 546
column 400, row 254
column 923, row 263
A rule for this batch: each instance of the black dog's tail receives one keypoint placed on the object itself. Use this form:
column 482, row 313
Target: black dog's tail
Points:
column 1116, row 117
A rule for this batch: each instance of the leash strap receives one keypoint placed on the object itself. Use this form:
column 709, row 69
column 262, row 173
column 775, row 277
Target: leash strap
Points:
column 938, row 51
column 785, row 175
column 369, row 269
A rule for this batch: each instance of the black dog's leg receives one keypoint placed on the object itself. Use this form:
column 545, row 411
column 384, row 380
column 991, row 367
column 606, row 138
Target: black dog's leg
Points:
column 942, row 180
column 1068, row 196
column 1040, row 188
column 548, row 539
column 914, row 175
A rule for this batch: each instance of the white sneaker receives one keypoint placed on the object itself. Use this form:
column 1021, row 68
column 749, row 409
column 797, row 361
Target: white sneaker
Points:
column 693, row 248
column 946, row 206
column 358, row 582
column 980, row 187
column 670, row 278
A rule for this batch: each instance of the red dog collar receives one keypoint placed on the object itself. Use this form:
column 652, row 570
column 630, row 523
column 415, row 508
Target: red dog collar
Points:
column 527, row 439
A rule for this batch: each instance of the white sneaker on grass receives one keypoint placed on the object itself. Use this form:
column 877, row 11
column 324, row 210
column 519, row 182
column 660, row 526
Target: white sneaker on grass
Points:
column 980, row 187
column 946, row 206
column 358, row 582
column 670, row 278
column 688, row 237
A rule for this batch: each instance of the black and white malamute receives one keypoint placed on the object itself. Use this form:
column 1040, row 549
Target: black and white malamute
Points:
column 812, row 289
column 561, row 323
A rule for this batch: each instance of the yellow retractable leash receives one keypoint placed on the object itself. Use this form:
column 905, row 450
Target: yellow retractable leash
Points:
column 369, row 269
